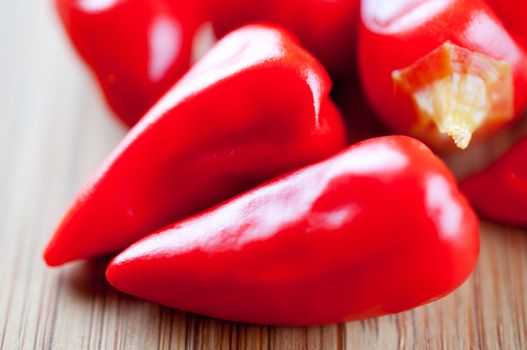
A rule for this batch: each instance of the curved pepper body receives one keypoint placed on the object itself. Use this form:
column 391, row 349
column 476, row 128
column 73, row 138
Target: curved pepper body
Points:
column 377, row 229
column 500, row 191
column 327, row 29
column 137, row 49
column 512, row 13
column 432, row 68
column 254, row 107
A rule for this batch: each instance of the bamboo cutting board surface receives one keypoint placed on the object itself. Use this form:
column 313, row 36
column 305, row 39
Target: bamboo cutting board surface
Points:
column 54, row 131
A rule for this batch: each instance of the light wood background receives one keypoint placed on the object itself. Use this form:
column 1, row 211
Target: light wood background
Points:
column 54, row 130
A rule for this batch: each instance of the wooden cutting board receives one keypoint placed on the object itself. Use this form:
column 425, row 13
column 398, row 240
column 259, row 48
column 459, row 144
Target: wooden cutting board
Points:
column 54, row 131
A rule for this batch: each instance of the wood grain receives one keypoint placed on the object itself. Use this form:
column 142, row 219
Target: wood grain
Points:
column 54, row 130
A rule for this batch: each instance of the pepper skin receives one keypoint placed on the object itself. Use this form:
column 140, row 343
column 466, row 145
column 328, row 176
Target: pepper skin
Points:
column 328, row 29
column 377, row 229
column 137, row 49
column 441, row 69
column 254, row 107
column 512, row 12
column 500, row 191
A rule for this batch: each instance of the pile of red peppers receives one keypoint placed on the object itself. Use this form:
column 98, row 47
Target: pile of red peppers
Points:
column 248, row 190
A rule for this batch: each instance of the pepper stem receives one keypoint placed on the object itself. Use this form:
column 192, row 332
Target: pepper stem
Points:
column 458, row 91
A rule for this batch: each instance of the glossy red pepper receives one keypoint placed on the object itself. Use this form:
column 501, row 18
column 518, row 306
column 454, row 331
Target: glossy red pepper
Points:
column 440, row 69
column 376, row 229
column 254, row 107
column 512, row 12
column 500, row 191
column 327, row 29
column 136, row 48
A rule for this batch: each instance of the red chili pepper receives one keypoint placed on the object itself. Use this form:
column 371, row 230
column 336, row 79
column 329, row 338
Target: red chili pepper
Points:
column 438, row 68
column 328, row 29
column 254, row 107
column 137, row 49
column 500, row 191
column 512, row 12
column 377, row 229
